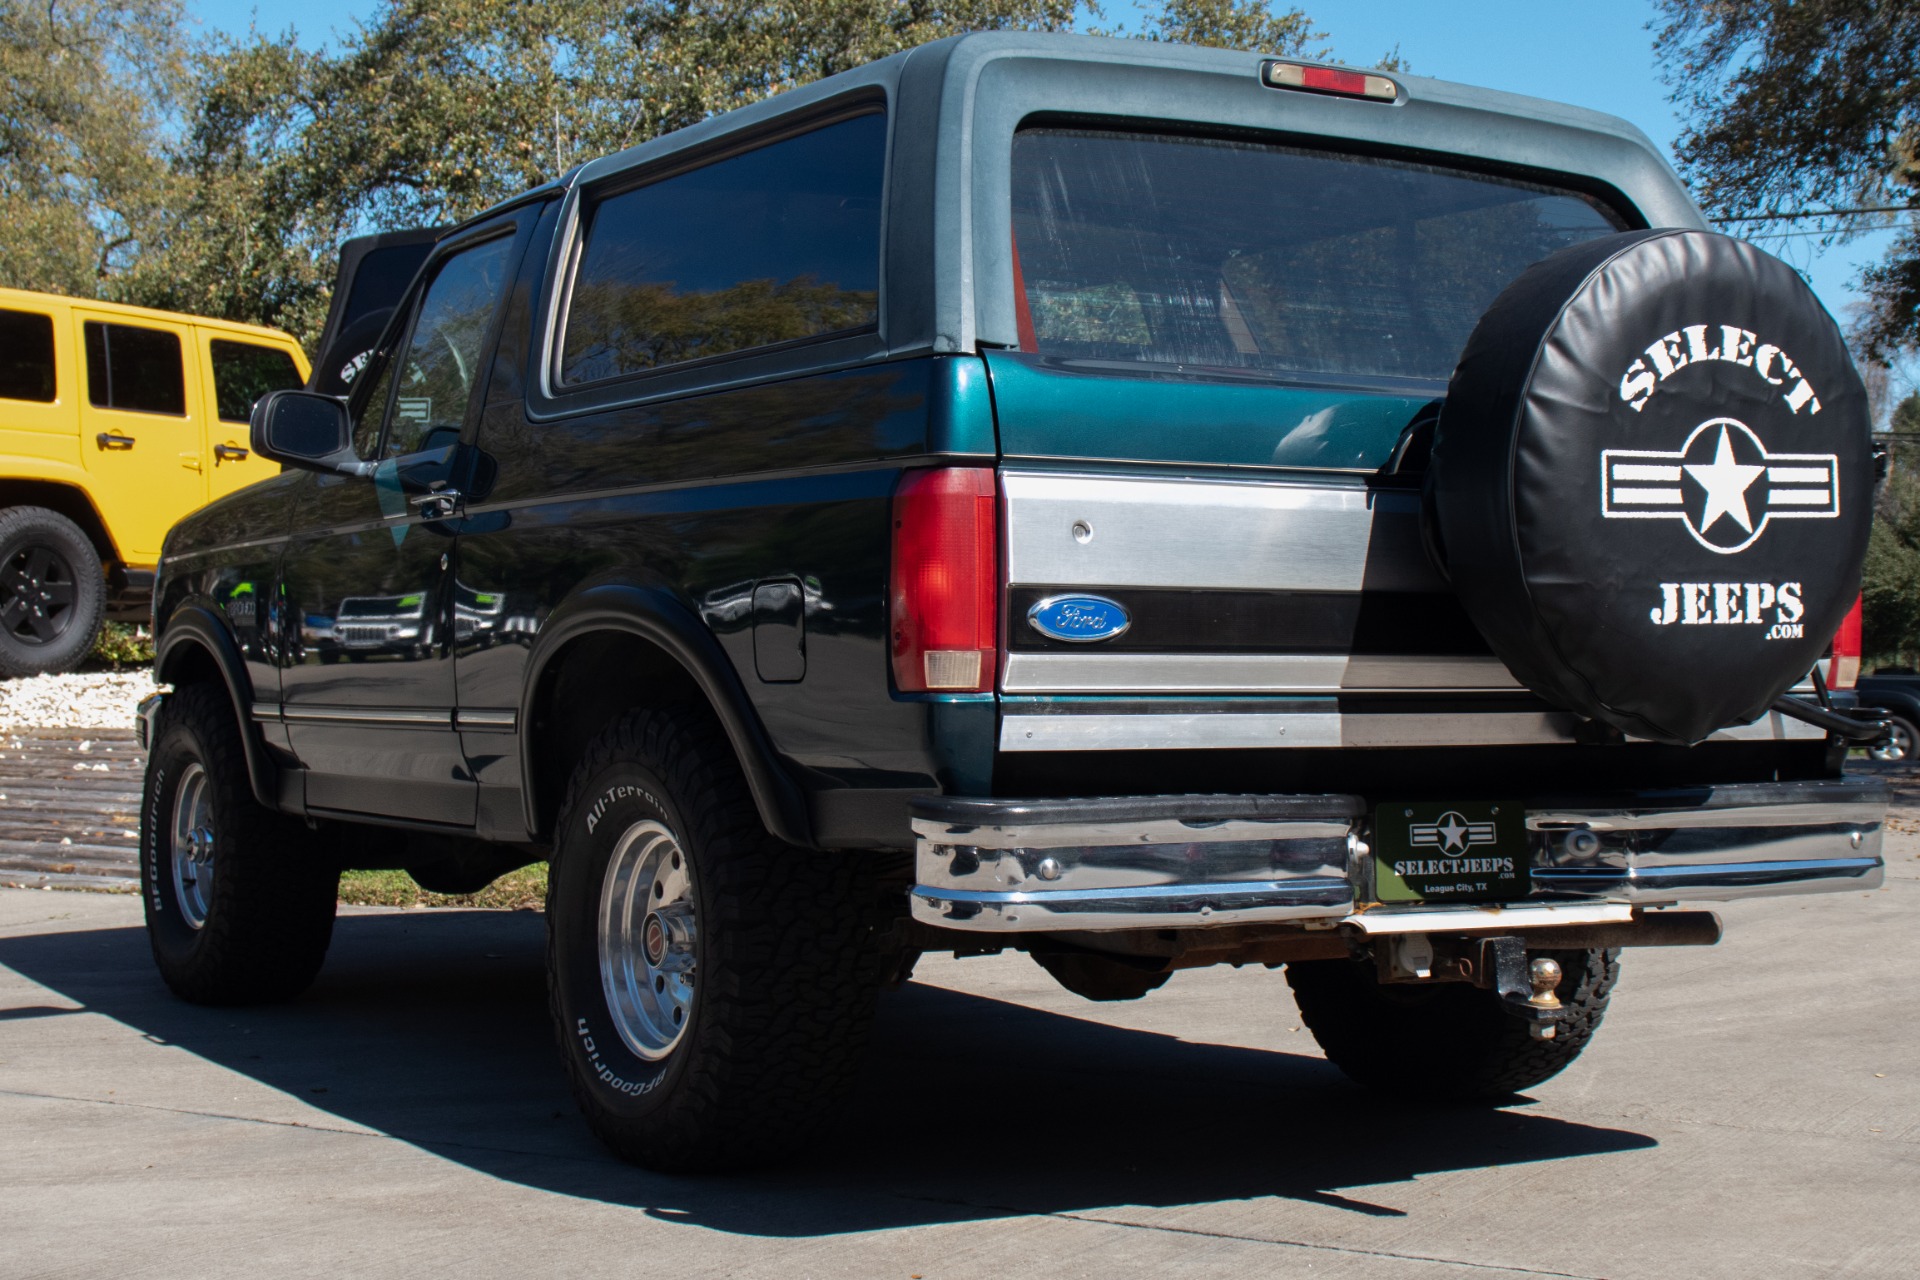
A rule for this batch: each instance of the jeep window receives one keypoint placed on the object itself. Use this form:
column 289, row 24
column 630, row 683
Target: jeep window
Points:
column 26, row 356
column 443, row 355
column 1255, row 258
column 245, row 371
column 134, row 369
column 775, row 245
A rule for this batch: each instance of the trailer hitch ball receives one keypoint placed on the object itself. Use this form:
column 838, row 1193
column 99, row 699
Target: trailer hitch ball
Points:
column 1544, row 975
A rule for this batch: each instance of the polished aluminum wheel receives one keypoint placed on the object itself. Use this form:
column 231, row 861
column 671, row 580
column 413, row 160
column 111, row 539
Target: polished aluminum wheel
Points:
column 648, row 933
column 193, row 846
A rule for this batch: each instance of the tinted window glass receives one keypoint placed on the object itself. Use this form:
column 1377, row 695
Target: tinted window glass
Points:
column 443, row 354
column 26, row 356
column 370, row 414
column 771, row 246
column 135, row 369
column 245, row 371
column 1249, row 257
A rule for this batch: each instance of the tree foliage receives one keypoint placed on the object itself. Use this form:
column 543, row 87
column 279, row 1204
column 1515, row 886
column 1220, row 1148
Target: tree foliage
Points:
column 1234, row 24
column 1806, row 104
column 1890, row 589
column 84, row 89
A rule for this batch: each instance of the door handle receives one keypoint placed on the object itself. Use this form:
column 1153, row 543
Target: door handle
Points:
column 108, row 440
column 441, row 504
column 228, row 453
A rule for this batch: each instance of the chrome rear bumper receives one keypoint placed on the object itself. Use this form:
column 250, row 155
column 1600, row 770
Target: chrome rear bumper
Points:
column 1183, row 861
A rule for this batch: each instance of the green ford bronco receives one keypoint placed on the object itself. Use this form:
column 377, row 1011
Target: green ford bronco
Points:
column 1142, row 506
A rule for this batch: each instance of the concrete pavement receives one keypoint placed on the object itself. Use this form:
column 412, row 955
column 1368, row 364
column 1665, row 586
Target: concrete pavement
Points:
column 1751, row 1109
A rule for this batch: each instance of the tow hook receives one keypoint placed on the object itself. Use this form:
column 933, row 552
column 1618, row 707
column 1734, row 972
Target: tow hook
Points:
column 1526, row 990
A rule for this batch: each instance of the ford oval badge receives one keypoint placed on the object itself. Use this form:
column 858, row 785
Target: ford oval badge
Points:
column 1080, row 619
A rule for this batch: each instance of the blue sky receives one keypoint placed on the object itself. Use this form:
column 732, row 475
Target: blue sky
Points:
column 1597, row 55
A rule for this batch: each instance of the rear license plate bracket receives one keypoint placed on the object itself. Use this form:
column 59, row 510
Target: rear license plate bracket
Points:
column 1450, row 851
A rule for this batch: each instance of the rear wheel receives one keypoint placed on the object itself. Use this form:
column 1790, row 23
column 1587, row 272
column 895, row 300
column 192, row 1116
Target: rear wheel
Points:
column 239, row 899
column 711, row 987
column 52, row 592
column 1446, row 1041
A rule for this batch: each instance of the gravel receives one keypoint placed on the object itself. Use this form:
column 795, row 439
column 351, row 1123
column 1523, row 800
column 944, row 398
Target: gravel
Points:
column 81, row 700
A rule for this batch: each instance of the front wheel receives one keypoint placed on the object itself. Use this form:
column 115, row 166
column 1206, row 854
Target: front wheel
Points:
column 1446, row 1041
column 239, row 899
column 711, row 987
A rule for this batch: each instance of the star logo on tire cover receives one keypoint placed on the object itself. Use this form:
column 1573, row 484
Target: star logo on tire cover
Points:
column 1722, row 484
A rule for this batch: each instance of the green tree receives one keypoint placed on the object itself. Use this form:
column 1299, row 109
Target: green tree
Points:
column 1890, row 588
column 85, row 88
column 1806, row 104
column 1234, row 24
column 1906, row 416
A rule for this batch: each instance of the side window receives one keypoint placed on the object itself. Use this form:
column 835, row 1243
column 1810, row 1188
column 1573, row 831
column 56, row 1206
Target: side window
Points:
column 442, row 359
column 245, row 371
column 774, row 245
column 26, row 356
column 135, row 369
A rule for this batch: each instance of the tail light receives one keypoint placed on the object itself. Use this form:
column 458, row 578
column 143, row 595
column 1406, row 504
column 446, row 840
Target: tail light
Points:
column 1844, row 671
column 946, row 580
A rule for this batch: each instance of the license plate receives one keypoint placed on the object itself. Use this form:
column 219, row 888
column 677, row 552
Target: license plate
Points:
column 1450, row 852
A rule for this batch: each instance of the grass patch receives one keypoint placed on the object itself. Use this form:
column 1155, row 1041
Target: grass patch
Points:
column 522, row 890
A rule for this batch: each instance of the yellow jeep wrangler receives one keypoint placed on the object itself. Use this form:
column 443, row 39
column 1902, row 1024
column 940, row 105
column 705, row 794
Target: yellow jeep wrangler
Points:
column 114, row 423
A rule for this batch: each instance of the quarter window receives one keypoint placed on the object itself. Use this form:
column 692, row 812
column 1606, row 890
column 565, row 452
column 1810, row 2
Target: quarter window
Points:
column 245, row 371
column 775, row 245
column 135, row 369
column 26, row 356
column 1254, row 258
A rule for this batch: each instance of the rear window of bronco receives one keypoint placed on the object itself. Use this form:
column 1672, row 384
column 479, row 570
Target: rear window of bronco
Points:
column 1257, row 258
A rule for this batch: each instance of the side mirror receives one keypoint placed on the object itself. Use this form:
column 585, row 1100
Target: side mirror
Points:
column 307, row 430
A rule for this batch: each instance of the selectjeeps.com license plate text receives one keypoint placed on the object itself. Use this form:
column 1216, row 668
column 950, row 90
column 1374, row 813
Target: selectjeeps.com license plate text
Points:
column 1450, row 852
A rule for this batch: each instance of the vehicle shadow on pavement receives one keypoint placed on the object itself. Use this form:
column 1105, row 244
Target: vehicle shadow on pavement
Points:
column 431, row 1027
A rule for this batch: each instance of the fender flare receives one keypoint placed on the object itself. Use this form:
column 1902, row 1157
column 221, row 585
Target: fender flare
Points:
column 197, row 626
column 657, row 616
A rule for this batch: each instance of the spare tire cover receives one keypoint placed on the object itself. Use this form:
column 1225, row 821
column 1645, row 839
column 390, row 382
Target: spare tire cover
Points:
column 1652, row 481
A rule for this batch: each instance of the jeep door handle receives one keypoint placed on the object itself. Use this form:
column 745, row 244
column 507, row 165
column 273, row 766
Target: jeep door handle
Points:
column 439, row 505
column 228, row 453
column 108, row 440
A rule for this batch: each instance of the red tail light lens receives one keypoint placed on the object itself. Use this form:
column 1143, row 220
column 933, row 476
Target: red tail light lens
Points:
column 946, row 580
column 1315, row 78
column 1845, row 670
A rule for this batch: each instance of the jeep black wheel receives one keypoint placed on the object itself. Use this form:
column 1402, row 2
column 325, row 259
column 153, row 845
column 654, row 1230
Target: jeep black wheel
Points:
column 1899, row 745
column 711, row 987
column 239, row 899
column 1446, row 1041
column 52, row 592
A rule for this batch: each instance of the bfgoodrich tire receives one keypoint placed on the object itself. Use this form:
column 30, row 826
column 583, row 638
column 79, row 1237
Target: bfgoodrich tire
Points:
column 53, row 593
column 239, row 899
column 1446, row 1041
column 711, row 987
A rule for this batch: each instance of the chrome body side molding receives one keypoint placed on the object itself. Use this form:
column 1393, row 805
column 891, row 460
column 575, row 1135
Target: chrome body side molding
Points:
column 1322, row 727
column 478, row 721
